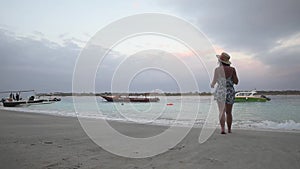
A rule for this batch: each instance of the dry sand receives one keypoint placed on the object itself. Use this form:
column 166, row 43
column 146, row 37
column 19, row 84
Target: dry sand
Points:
column 44, row 141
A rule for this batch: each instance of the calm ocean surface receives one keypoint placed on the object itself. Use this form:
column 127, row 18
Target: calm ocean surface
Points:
column 281, row 113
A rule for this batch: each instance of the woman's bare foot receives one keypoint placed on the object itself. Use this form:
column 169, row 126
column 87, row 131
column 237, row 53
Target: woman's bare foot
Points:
column 229, row 131
column 223, row 132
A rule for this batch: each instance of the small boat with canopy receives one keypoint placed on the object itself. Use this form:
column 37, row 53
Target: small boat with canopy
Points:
column 250, row 96
column 15, row 100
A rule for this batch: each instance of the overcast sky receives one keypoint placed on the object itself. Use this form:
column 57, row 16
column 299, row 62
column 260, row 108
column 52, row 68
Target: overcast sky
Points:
column 41, row 40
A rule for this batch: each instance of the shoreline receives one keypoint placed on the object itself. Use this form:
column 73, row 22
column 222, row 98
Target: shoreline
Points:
column 31, row 140
column 34, row 112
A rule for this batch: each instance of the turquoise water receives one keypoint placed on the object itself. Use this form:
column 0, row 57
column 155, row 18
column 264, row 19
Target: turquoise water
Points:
column 281, row 113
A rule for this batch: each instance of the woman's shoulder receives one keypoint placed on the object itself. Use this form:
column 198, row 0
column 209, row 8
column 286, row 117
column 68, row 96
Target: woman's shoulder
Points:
column 233, row 69
column 230, row 68
column 226, row 68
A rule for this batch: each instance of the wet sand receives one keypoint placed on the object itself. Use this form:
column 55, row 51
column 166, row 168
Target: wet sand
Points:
column 43, row 141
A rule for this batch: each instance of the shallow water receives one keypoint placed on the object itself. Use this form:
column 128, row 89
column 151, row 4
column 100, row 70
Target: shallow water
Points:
column 281, row 113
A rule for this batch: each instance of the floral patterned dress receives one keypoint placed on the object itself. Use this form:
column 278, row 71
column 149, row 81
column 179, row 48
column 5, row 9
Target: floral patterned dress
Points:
column 225, row 91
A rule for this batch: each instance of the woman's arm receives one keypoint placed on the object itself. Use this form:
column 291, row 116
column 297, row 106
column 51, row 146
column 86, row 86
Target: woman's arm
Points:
column 235, row 79
column 214, row 81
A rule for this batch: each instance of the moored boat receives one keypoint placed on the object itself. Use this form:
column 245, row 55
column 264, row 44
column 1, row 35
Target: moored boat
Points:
column 12, row 103
column 250, row 96
column 16, row 100
column 118, row 98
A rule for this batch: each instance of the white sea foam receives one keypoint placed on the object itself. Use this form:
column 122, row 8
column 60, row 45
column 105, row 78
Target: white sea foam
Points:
column 287, row 125
column 267, row 124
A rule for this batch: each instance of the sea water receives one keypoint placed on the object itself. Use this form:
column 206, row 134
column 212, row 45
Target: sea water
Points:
column 281, row 113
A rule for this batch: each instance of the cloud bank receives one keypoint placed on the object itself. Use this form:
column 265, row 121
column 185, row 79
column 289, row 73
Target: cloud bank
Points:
column 263, row 38
column 46, row 66
column 28, row 63
column 267, row 31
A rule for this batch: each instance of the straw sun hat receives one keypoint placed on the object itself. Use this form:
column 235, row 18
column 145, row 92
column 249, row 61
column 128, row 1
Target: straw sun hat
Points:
column 224, row 58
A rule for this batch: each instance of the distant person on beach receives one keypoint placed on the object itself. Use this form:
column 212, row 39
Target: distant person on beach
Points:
column 225, row 76
column 17, row 96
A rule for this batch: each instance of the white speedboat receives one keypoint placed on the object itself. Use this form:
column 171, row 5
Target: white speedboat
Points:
column 16, row 100
column 250, row 96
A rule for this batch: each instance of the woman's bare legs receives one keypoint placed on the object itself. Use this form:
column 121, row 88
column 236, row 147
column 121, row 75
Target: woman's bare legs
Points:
column 221, row 107
column 228, row 108
column 225, row 108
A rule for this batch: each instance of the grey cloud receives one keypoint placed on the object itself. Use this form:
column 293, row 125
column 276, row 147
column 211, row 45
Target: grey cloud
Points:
column 287, row 57
column 62, row 36
column 35, row 64
column 47, row 66
column 284, row 63
column 38, row 33
column 252, row 27
column 247, row 25
column 155, row 70
column 87, row 35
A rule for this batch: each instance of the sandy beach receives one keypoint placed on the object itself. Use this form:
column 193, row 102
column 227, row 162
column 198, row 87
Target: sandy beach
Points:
column 44, row 141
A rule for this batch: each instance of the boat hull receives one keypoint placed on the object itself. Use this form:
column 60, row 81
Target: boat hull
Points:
column 249, row 99
column 13, row 103
column 129, row 99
